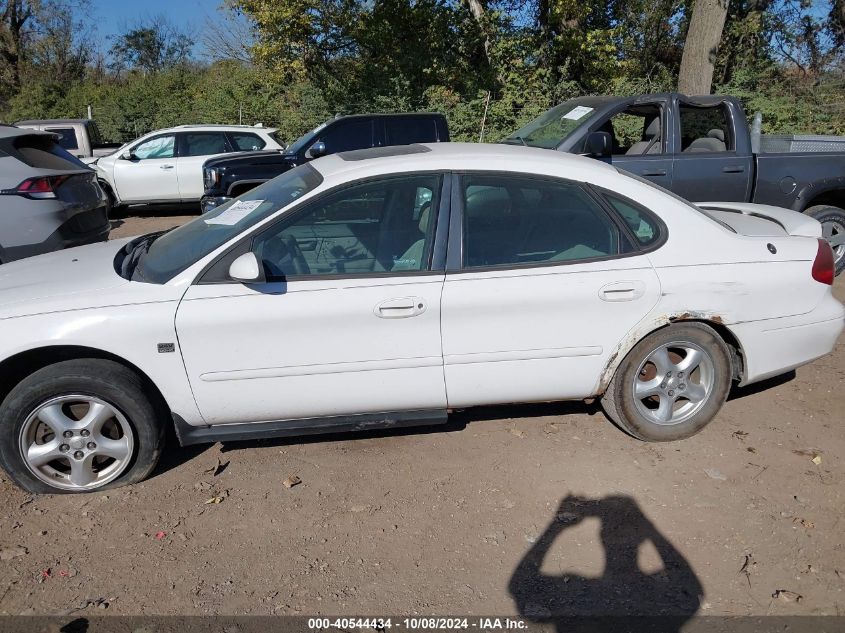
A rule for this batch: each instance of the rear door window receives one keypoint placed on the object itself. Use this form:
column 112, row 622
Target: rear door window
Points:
column 520, row 221
column 67, row 137
column 203, row 143
column 407, row 130
column 705, row 129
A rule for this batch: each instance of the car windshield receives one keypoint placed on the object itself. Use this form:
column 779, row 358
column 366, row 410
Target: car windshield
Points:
column 550, row 128
column 180, row 248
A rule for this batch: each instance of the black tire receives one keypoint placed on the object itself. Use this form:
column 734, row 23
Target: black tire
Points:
column 833, row 225
column 114, row 209
column 105, row 380
column 622, row 406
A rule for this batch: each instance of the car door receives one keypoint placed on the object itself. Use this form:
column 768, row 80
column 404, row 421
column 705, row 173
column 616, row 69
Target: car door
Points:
column 194, row 150
column 348, row 321
column 640, row 142
column 543, row 284
column 709, row 163
column 148, row 171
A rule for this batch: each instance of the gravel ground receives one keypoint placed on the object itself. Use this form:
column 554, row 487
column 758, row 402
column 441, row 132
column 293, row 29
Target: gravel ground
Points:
column 507, row 510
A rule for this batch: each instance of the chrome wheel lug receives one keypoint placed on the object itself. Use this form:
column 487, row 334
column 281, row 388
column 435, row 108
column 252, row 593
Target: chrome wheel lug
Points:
column 85, row 432
column 91, row 446
column 680, row 374
column 663, row 385
column 671, row 393
column 68, row 434
column 78, row 455
column 668, row 374
column 682, row 386
column 64, row 448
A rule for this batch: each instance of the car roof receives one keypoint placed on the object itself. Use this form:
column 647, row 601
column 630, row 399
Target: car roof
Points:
column 460, row 157
column 53, row 121
column 211, row 127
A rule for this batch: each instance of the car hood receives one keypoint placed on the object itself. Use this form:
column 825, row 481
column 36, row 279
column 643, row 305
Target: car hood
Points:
column 71, row 279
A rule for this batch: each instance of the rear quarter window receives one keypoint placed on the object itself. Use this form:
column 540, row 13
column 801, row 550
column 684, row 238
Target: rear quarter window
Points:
column 407, row 130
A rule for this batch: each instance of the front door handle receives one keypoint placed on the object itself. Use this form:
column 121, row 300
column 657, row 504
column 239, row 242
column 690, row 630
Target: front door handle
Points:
column 622, row 291
column 166, row 167
column 653, row 172
column 733, row 169
column 400, row 308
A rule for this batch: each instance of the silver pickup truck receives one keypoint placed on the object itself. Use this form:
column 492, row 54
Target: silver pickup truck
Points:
column 79, row 137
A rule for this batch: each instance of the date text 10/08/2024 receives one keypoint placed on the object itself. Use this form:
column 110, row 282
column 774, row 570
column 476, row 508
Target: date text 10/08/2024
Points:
column 420, row 623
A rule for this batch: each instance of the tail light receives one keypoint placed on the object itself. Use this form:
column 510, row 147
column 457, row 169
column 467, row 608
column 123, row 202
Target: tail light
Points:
column 38, row 188
column 823, row 270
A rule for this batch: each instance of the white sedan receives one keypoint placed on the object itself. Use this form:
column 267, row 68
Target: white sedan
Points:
column 382, row 288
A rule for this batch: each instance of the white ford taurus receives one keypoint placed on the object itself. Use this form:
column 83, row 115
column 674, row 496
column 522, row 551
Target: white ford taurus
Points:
column 381, row 288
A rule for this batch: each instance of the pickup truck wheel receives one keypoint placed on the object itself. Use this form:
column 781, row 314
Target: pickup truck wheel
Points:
column 671, row 385
column 833, row 230
column 78, row 426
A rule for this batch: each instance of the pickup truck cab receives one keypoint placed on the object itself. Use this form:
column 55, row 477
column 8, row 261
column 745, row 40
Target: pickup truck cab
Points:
column 226, row 177
column 78, row 137
column 702, row 149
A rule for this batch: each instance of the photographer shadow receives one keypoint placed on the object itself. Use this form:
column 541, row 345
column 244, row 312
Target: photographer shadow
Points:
column 662, row 600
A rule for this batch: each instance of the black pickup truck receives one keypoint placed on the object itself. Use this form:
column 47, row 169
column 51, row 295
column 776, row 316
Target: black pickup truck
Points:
column 229, row 176
column 702, row 149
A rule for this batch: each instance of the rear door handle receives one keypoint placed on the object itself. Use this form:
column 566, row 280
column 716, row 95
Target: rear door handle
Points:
column 733, row 169
column 653, row 172
column 400, row 308
column 622, row 291
column 166, row 167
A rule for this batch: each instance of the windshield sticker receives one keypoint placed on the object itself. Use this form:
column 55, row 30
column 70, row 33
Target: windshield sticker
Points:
column 578, row 112
column 236, row 212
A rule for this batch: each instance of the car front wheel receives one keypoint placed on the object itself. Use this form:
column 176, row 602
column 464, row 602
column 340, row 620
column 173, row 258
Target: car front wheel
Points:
column 78, row 426
column 671, row 385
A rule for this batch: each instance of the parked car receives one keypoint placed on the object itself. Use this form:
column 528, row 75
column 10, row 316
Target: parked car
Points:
column 79, row 137
column 165, row 166
column 226, row 177
column 380, row 288
column 702, row 149
column 48, row 199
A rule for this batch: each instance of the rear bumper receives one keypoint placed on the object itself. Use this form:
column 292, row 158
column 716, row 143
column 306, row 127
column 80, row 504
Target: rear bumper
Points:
column 79, row 229
column 775, row 346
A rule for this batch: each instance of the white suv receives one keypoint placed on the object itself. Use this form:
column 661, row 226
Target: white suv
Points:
column 166, row 165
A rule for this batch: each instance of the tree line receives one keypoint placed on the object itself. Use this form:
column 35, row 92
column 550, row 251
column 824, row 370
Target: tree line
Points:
column 493, row 63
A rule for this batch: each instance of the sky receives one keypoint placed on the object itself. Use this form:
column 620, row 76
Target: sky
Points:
column 113, row 16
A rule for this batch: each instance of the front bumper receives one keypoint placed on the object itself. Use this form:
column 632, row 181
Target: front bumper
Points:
column 207, row 203
column 776, row 346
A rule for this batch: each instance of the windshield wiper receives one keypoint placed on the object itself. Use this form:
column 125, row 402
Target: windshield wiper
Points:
column 135, row 250
column 515, row 138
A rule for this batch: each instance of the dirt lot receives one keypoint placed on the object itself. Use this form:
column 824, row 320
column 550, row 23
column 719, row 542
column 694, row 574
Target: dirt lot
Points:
column 507, row 510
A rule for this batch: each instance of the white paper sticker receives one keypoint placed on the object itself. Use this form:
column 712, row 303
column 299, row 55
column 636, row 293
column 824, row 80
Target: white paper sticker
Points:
column 577, row 113
column 236, row 212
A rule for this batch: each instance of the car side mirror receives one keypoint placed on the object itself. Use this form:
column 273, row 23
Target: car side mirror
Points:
column 599, row 145
column 317, row 149
column 246, row 269
column 128, row 155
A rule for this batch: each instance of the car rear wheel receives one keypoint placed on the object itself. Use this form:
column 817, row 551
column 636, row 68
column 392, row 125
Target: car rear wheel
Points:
column 78, row 426
column 671, row 385
column 833, row 230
